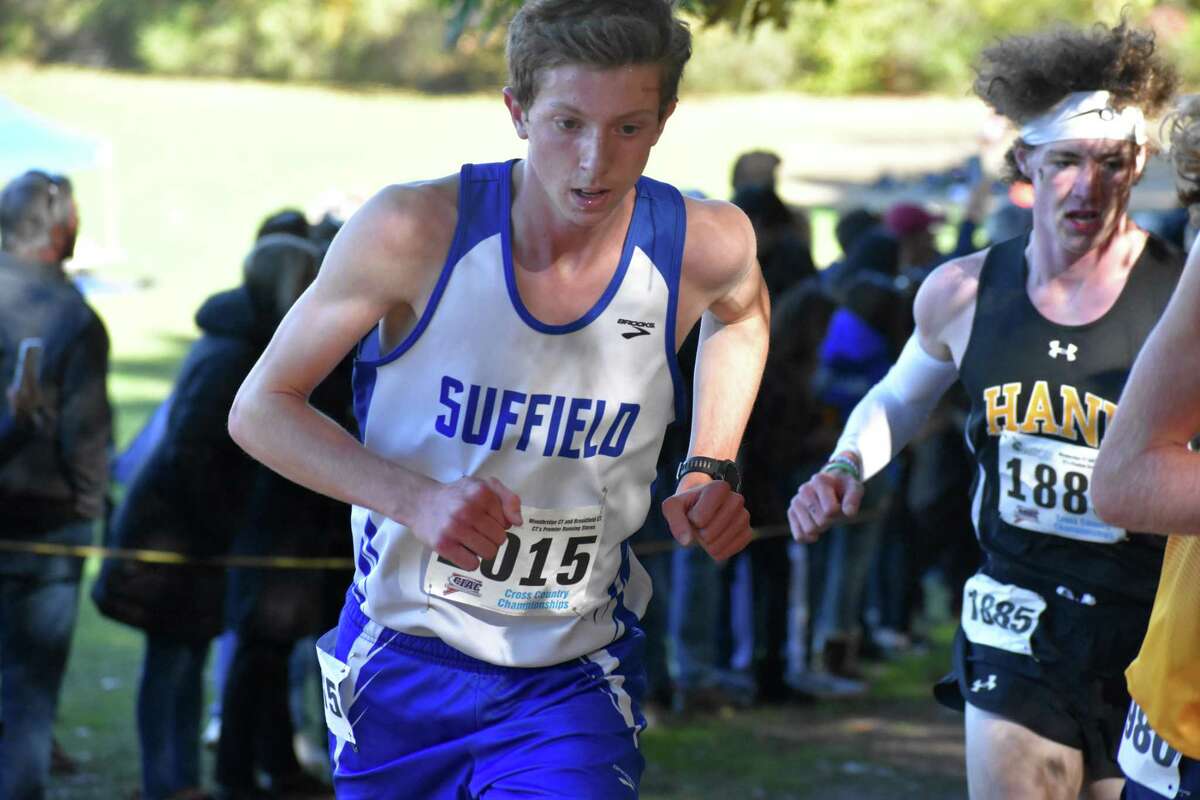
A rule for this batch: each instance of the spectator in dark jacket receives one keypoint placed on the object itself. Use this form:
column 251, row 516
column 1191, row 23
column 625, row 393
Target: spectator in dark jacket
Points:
column 272, row 609
column 788, row 432
column 54, row 477
column 192, row 497
column 785, row 258
column 863, row 338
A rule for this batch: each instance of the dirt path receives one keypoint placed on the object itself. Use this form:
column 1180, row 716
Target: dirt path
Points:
column 864, row 749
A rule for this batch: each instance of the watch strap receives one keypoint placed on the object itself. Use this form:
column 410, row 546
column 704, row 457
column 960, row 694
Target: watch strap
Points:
column 718, row 469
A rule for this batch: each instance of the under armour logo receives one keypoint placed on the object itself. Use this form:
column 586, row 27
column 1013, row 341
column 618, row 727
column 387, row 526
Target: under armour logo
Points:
column 1056, row 350
column 980, row 685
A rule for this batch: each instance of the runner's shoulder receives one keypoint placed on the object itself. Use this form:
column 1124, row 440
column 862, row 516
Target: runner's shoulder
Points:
column 948, row 292
column 415, row 219
column 403, row 230
column 720, row 243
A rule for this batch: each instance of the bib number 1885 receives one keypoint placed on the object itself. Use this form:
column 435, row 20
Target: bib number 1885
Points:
column 1000, row 615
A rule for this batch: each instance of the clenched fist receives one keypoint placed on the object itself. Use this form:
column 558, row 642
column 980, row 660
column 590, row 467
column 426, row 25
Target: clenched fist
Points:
column 709, row 512
column 824, row 500
column 465, row 521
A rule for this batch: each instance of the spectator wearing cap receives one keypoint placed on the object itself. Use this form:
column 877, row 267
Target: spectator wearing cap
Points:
column 912, row 226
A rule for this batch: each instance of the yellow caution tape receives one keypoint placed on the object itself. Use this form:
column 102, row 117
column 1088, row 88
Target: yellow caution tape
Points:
column 281, row 562
column 169, row 557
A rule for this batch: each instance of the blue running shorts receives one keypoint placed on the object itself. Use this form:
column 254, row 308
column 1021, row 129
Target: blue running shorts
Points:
column 431, row 723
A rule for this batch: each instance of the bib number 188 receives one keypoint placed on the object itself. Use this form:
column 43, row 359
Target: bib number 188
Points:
column 1046, row 487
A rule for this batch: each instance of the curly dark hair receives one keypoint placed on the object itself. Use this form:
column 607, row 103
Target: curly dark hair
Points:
column 1182, row 127
column 1022, row 77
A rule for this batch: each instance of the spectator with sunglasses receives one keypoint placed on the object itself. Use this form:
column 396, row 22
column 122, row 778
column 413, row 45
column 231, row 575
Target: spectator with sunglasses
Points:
column 52, row 487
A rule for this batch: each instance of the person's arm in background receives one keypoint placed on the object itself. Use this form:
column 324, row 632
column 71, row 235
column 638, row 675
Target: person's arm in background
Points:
column 979, row 202
column 1145, row 478
column 85, row 419
column 22, row 414
column 721, row 277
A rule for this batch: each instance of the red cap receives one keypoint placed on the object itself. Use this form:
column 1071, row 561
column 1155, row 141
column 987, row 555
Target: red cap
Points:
column 905, row 219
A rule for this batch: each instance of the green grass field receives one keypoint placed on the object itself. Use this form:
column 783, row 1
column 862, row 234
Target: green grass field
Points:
column 196, row 165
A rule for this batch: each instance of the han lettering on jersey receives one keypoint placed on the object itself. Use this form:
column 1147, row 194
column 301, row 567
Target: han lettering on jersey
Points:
column 555, row 425
column 1066, row 415
column 1045, row 482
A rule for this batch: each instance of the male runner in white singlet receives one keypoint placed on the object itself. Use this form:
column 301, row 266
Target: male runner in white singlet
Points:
column 516, row 328
column 1042, row 331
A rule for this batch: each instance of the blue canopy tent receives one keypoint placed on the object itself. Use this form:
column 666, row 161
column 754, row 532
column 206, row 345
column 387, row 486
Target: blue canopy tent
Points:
column 29, row 141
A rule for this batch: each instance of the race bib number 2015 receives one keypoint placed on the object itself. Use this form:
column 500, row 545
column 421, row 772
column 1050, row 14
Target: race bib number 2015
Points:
column 1045, row 487
column 543, row 568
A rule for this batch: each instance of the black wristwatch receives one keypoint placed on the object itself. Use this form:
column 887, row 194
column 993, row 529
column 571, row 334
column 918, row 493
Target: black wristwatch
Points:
column 719, row 469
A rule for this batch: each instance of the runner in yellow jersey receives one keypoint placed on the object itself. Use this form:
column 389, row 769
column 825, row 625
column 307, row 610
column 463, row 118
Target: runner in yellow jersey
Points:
column 1147, row 479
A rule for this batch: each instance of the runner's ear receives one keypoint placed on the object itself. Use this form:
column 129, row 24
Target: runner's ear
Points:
column 517, row 112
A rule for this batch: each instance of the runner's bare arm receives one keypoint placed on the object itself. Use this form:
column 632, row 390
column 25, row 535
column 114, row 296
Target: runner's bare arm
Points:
column 1146, row 479
column 722, row 284
column 383, row 264
column 894, row 410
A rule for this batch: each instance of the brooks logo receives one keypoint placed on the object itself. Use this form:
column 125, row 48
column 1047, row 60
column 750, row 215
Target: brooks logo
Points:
column 637, row 328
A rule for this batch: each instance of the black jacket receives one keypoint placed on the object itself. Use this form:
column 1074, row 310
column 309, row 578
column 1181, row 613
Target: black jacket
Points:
column 200, row 495
column 190, row 495
column 285, row 519
column 58, row 474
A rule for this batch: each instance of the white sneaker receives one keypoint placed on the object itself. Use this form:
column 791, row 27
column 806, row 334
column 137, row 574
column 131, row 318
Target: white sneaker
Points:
column 212, row 733
column 312, row 757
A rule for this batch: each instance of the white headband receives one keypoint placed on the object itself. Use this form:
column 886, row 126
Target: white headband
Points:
column 1086, row 115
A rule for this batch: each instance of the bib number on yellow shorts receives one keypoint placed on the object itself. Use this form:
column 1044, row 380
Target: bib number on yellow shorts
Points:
column 1145, row 757
column 1000, row 615
column 1045, row 487
column 543, row 568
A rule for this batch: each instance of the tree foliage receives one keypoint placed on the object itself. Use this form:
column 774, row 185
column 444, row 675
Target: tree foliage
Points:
column 818, row 46
column 736, row 14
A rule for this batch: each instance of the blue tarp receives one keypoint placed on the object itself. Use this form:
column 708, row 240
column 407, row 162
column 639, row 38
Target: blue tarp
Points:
column 28, row 141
